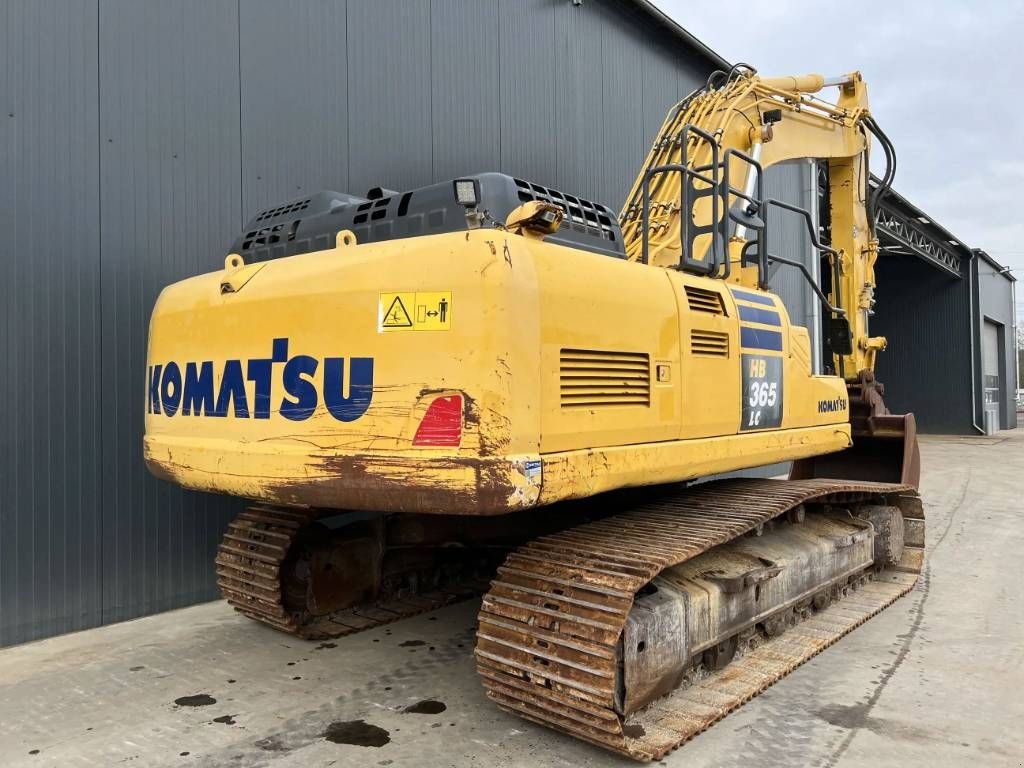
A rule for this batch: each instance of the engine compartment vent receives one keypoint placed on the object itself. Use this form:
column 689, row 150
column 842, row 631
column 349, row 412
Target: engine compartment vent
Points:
column 591, row 378
column 312, row 222
column 580, row 215
column 703, row 300
column 712, row 343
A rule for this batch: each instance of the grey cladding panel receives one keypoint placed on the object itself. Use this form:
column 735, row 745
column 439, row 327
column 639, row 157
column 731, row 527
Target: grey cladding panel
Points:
column 989, row 348
column 170, row 196
column 137, row 137
column 294, row 80
column 465, row 87
column 389, row 121
column 49, row 305
column 625, row 145
column 926, row 318
column 579, row 100
column 526, row 45
column 787, row 236
column 661, row 87
column 995, row 300
column 691, row 74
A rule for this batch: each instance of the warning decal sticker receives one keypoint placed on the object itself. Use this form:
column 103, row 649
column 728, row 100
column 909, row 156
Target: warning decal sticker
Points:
column 415, row 311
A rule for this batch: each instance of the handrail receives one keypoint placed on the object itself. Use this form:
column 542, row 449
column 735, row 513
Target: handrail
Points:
column 755, row 204
column 688, row 196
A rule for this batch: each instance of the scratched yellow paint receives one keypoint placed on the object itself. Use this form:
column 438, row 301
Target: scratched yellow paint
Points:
column 522, row 311
column 415, row 311
column 577, row 373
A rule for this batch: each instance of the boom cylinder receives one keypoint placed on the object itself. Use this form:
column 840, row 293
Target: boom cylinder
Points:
column 807, row 83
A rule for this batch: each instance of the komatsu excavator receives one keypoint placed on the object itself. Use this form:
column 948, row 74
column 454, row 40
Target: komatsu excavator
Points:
column 487, row 385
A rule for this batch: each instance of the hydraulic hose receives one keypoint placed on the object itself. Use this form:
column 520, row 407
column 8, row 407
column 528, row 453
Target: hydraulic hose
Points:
column 885, row 184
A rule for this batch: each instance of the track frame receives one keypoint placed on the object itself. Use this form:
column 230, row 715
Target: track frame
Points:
column 550, row 626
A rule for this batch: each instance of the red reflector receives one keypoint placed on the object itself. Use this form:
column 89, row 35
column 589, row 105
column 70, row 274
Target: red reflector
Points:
column 442, row 423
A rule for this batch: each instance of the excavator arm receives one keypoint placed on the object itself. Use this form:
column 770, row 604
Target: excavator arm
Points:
column 695, row 203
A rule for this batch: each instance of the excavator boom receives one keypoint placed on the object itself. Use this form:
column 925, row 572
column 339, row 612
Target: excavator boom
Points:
column 696, row 205
column 713, row 147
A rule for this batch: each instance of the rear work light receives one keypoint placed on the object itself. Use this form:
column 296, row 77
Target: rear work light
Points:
column 442, row 423
column 465, row 192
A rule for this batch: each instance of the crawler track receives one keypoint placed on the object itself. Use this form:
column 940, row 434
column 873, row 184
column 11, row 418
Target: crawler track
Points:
column 551, row 623
column 250, row 563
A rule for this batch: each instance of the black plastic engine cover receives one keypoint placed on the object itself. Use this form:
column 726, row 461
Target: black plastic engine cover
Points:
column 310, row 223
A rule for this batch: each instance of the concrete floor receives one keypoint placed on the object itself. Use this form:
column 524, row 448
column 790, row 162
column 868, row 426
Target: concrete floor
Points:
column 936, row 680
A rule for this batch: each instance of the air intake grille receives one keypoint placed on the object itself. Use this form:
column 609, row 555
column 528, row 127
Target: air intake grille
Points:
column 291, row 207
column 592, row 378
column 582, row 215
column 713, row 343
column 701, row 300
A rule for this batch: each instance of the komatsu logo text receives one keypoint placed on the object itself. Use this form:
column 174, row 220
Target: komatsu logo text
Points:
column 832, row 406
column 289, row 389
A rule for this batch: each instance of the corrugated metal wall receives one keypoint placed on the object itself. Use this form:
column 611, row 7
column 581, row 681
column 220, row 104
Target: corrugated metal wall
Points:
column 931, row 321
column 170, row 197
column 538, row 88
column 51, row 528
column 136, row 139
column 793, row 182
column 925, row 315
column 995, row 303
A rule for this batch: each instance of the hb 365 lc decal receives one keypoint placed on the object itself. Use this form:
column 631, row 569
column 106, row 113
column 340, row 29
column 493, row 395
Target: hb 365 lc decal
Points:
column 192, row 392
column 762, row 391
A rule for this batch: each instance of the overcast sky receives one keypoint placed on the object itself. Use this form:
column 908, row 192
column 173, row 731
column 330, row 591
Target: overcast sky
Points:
column 946, row 83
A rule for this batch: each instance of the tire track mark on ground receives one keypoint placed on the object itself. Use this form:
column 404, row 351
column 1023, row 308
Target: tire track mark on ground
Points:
column 863, row 711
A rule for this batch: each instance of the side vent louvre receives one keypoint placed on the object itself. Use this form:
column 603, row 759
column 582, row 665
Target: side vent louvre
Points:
column 701, row 300
column 592, row 378
column 713, row 343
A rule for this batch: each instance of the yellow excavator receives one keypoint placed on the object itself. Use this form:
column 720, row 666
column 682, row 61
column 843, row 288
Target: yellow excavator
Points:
column 488, row 386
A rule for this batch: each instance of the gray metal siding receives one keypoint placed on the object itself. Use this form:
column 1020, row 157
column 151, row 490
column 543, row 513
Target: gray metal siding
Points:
column 995, row 303
column 930, row 321
column 294, row 100
column 50, row 522
column 389, row 122
column 465, row 77
column 624, row 140
column 526, row 41
column 792, row 182
column 169, row 201
column 926, row 317
column 579, row 101
column 660, row 78
column 137, row 138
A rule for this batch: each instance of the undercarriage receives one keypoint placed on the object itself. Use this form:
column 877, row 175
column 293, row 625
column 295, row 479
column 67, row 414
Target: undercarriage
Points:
column 319, row 575
column 635, row 630
column 638, row 632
